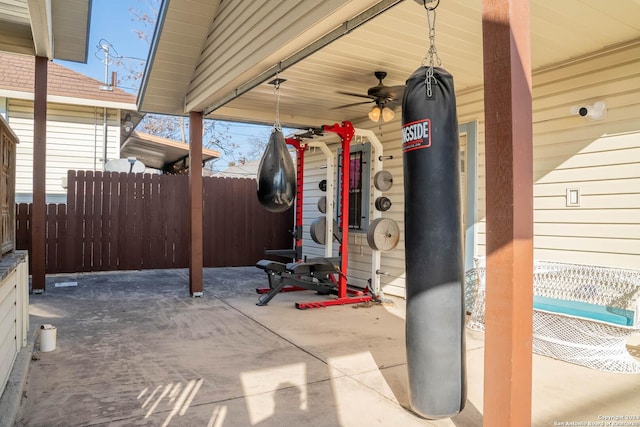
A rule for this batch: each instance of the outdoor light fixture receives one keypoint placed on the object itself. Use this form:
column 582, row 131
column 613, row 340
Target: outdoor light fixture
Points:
column 386, row 113
column 374, row 114
column 128, row 124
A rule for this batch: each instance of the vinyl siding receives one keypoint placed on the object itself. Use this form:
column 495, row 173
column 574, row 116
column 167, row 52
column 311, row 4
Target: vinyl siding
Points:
column 245, row 39
column 14, row 314
column 242, row 34
column 314, row 172
column 601, row 158
column 8, row 344
column 392, row 262
column 74, row 141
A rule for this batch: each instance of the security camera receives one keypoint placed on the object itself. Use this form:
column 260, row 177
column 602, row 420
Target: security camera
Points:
column 594, row 111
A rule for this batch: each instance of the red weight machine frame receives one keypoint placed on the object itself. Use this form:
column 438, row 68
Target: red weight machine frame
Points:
column 345, row 294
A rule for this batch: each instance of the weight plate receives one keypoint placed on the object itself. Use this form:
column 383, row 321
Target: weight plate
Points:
column 318, row 229
column 383, row 180
column 383, row 204
column 383, row 234
column 322, row 204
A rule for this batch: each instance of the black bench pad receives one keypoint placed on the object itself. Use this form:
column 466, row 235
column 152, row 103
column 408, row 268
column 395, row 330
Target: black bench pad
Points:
column 271, row 266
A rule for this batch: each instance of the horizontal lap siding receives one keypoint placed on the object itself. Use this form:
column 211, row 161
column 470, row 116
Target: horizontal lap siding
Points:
column 315, row 170
column 392, row 262
column 8, row 344
column 75, row 141
column 359, row 268
column 601, row 158
column 244, row 38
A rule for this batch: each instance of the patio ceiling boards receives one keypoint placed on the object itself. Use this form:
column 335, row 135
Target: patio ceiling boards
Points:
column 242, row 40
column 228, row 64
column 52, row 29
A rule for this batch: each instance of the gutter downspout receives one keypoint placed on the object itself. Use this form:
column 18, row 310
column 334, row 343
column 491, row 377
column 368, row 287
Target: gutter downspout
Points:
column 104, row 135
column 95, row 138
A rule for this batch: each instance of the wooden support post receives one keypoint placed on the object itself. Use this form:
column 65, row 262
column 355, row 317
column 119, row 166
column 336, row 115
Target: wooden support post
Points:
column 509, row 184
column 195, row 204
column 38, row 218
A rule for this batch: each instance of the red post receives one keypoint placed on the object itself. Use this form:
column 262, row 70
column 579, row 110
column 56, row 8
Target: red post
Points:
column 509, row 183
column 346, row 133
column 38, row 250
column 195, row 204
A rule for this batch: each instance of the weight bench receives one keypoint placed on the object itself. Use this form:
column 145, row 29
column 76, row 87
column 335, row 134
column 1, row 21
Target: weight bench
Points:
column 314, row 274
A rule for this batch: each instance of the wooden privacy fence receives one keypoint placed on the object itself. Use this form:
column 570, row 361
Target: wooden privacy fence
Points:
column 120, row 221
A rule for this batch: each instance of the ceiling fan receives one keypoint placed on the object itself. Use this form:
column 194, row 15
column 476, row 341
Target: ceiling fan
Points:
column 385, row 98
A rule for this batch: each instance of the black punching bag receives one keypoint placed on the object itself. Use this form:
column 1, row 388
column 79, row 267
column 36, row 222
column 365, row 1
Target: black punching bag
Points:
column 433, row 243
column 276, row 175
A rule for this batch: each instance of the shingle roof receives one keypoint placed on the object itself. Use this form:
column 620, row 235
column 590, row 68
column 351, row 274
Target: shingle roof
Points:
column 17, row 73
column 241, row 170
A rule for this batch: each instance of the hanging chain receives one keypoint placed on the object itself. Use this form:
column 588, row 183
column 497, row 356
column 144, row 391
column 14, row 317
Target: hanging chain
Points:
column 432, row 54
column 276, row 91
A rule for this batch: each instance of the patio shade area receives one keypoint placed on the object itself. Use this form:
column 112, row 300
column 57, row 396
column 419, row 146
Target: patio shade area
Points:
column 131, row 350
column 325, row 53
column 159, row 153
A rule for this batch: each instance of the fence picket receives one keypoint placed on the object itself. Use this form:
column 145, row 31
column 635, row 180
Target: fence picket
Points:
column 22, row 225
column 182, row 221
column 81, row 216
column 62, row 239
column 96, row 254
column 72, row 241
column 105, row 223
column 51, row 234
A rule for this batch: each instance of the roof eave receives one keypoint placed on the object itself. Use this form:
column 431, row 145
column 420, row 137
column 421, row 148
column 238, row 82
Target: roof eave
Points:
column 155, row 41
column 41, row 29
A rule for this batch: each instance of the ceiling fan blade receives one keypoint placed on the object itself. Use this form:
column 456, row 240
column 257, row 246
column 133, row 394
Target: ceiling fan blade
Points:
column 388, row 92
column 359, row 95
column 352, row 105
column 396, row 92
column 393, row 104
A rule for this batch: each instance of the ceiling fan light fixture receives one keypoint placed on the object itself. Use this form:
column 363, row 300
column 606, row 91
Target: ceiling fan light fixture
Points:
column 374, row 114
column 387, row 114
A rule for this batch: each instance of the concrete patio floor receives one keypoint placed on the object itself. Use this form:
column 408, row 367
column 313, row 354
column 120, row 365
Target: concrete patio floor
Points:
column 133, row 348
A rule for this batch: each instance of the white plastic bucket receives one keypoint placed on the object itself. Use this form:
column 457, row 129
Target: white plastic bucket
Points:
column 47, row 338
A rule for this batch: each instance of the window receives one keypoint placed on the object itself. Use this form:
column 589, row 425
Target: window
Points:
column 359, row 186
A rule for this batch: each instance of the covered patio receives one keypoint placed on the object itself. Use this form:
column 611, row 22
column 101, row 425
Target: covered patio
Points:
column 131, row 350
column 517, row 65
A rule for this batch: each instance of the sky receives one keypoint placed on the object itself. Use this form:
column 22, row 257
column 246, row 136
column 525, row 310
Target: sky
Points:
column 113, row 24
